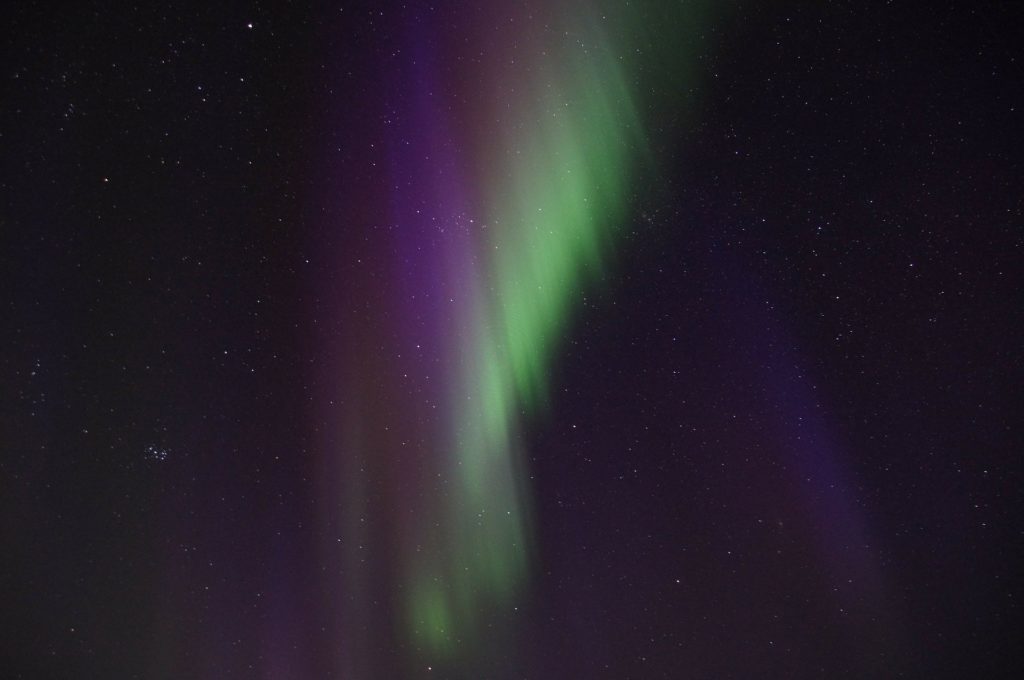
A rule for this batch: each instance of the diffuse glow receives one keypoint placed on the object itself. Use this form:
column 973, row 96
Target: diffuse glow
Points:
column 503, row 214
column 555, row 193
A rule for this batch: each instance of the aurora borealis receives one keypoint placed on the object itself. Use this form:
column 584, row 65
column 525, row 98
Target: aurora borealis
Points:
column 500, row 233
column 504, row 340
column 553, row 169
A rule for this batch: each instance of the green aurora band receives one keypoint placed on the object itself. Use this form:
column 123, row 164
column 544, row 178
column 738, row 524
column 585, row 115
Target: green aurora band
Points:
column 562, row 193
column 556, row 170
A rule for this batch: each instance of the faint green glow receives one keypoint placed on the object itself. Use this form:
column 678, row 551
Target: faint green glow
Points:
column 555, row 191
column 555, row 183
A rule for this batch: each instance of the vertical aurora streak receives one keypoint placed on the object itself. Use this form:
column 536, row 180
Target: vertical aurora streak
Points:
column 500, row 221
column 553, row 196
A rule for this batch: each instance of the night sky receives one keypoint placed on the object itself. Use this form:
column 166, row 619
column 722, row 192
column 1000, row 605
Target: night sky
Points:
column 511, row 340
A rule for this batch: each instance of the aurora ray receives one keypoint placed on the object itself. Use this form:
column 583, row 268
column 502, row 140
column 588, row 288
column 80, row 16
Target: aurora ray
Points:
column 499, row 226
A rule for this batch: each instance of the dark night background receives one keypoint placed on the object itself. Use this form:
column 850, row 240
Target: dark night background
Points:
column 830, row 262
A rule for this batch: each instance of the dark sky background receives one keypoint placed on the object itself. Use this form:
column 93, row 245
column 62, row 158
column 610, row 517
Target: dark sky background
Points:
column 781, row 439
